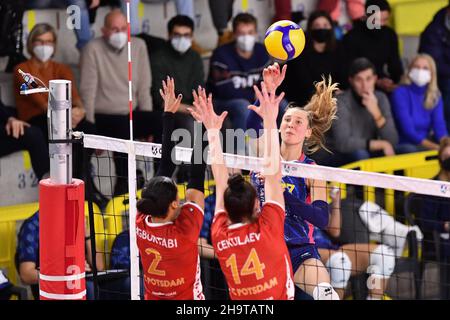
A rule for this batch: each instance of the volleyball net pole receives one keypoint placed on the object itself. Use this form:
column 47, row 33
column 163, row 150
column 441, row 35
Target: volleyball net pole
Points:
column 134, row 266
column 61, row 202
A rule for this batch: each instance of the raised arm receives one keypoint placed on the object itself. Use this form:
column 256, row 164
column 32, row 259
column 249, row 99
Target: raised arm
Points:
column 273, row 76
column 171, row 105
column 195, row 189
column 268, row 111
column 203, row 111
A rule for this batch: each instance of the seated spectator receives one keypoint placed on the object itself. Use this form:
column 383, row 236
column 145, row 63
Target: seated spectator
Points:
column 18, row 135
column 235, row 68
column 355, row 8
column 364, row 127
column 177, row 60
column 435, row 41
column 417, row 106
column 377, row 42
column 435, row 213
column 83, row 32
column 104, row 88
column 27, row 256
column 41, row 44
column 321, row 57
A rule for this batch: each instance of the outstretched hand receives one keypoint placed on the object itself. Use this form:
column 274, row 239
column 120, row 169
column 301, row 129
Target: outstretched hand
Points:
column 203, row 111
column 269, row 103
column 171, row 104
column 273, row 76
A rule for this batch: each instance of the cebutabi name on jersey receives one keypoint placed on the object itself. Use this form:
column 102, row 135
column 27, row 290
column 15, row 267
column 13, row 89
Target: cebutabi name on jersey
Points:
column 238, row 241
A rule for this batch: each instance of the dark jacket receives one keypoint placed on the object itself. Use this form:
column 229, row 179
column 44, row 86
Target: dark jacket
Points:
column 379, row 46
column 435, row 41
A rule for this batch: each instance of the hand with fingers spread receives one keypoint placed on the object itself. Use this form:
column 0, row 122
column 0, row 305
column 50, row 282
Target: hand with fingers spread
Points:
column 171, row 104
column 15, row 127
column 273, row 76
column 269, row 103
column 203, row 111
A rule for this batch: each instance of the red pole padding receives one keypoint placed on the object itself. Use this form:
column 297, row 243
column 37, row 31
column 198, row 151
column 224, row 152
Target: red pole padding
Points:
column 61, row 241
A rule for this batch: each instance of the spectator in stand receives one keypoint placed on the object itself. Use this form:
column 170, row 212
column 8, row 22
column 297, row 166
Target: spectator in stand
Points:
column 83, row 32
column 435, row 214
column 41, row 44
column 27, row 256
column 104, row 89
column 18, row 135
column 177, row 60
column 321, row 57
column 435, row 41
column 235, row 68
column 355, row 8
column 374, row 40
column 417, row 106
column 364, row 127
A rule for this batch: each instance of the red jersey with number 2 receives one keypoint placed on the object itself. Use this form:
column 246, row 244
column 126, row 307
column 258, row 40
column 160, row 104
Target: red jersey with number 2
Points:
column 254, row 256
column 169, row 255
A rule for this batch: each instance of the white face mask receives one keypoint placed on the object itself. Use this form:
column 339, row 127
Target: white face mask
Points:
column 181, row 44
column 118, row 40
column 43, row 53
column 420, row 77
column 246, row 42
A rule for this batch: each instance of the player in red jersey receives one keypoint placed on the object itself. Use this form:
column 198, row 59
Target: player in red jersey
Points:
column 249, row 243
column 167, row 232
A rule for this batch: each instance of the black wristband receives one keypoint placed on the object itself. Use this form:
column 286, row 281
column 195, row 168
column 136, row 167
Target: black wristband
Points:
column 198, row 166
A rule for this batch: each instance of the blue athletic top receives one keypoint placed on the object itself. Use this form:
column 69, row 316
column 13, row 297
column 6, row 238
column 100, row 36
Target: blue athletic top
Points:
column 297, row 231
column 323, row 240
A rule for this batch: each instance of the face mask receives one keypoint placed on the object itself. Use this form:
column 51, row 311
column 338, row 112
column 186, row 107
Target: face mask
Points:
column 321, row 35
column 420, row 77
column 445, row 164
column 118, row 40
column 181, row 44
column 43, row 53
column 246, row 43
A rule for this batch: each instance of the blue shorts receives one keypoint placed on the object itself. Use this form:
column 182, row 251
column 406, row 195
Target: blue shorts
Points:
column 300, row 254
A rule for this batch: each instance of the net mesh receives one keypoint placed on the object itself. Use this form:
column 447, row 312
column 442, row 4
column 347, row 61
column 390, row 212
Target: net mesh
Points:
column 385, row 237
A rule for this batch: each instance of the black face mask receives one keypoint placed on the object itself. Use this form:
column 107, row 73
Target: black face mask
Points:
column 321, row 35
column 445, row 164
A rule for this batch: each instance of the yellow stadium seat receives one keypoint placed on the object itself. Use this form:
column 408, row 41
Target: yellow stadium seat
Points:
column 411, row 17
column 11, row 215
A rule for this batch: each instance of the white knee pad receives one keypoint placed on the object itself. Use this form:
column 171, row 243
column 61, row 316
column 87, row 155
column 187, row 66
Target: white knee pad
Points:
column 339, row 266
column 381, row 262
column 324, row 291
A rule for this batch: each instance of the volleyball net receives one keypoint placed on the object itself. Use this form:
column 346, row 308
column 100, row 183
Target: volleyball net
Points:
column 383, row 238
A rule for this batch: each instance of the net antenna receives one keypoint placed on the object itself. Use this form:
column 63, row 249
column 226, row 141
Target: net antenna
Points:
column 134, row 267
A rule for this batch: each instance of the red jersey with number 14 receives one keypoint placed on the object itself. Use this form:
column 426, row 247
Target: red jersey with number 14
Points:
column 254, row 256
column 169, row 255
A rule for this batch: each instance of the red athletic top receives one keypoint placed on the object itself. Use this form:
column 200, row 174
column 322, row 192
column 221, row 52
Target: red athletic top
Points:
column 169, row 255
column 254, row 256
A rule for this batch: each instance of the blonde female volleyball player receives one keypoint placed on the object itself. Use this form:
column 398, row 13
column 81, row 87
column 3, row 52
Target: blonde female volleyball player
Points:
column 167, row 232
column 302, row 129
column 249, row 243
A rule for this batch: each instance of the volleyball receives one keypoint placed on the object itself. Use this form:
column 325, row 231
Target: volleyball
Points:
column 284, row 40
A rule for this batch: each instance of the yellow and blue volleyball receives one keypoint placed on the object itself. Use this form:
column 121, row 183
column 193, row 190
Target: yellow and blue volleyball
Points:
column 284, row 40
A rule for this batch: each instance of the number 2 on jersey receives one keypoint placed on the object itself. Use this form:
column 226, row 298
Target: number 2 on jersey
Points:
column 154, row 265
column 251, row 266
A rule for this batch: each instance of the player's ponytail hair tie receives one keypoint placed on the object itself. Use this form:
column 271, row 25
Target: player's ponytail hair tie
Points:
column 146, row 205
column 239, row 199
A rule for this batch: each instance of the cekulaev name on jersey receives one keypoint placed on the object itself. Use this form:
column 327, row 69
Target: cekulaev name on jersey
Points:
column 237, row 241
column 163, row 242
column 164, row 283
column 267, row 285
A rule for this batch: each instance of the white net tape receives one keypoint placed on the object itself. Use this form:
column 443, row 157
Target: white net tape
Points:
column 361, row 178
